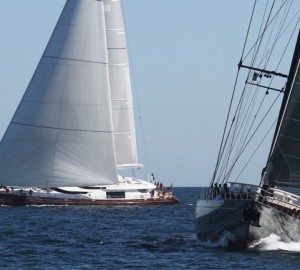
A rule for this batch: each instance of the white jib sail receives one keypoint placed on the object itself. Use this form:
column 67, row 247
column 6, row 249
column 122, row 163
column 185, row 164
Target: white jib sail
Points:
column 120, row 85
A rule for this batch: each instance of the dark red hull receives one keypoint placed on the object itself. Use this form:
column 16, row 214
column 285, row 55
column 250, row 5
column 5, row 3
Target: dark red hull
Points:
column 20, row 200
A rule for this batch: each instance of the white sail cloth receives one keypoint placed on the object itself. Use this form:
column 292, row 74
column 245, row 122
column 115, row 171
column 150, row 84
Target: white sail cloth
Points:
column 120, row 85
column 62, row 132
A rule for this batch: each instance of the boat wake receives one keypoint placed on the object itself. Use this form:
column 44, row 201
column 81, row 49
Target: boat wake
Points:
column 223, row 241
column 273, row 242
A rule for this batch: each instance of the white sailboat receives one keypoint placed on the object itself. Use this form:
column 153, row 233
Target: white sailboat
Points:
column 231, row 209
column 74, row 127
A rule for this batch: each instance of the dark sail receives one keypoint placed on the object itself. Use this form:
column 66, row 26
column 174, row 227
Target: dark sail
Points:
column 283, row 168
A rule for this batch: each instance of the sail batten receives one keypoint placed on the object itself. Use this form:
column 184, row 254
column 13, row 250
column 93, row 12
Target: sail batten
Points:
column 78, row 130
column 72, row 59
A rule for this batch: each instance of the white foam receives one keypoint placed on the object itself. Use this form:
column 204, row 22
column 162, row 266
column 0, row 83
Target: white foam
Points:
column 222, row 242
column 273, row 242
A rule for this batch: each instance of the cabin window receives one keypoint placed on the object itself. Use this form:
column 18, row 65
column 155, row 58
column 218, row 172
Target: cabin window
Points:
column 115, row 195
column 143, row 190
column 92, row 187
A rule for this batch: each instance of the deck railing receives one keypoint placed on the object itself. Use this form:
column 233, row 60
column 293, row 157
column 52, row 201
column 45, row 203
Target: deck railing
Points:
column 237, row 191
column 280, row 200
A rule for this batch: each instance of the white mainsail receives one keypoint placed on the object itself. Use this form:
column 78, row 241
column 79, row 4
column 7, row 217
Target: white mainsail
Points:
column 120, row 85
column 62, row 132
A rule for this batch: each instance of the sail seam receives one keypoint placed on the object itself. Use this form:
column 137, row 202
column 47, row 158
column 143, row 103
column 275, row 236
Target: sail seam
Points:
column 289, row 137
column 293, row 174
column 67, row 129
column 292, row 156
column 76, row 60
column 293, row 119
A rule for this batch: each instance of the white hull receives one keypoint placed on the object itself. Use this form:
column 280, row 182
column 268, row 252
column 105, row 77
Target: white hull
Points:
column 129, row 191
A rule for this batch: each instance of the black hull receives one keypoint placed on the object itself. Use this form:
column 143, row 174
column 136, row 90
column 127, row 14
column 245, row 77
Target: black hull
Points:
column 227, row 224
column 21, row 200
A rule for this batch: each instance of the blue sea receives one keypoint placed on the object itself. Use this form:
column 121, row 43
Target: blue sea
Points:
column 160, row 237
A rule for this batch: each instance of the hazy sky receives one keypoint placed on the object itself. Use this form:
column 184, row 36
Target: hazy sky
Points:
column 184, row 56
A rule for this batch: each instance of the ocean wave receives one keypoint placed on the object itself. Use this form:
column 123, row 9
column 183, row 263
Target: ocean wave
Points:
column 274, row 242
column 223, row 241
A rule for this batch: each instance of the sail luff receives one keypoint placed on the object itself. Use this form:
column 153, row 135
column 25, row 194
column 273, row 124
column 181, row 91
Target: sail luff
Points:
column 121, row 93
column 61, row 133
column 284, row 159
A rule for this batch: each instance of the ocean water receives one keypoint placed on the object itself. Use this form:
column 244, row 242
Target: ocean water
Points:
column 160, row 237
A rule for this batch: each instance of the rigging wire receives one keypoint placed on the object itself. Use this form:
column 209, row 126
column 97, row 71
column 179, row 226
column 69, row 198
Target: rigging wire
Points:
column 242, row 115
column 237, row 113
column 278, row 34
column 260, row 106
column 231, row 101
column 265, row 29
column 247, row 163
column 281, row 24
column 249, row 72
column 252, row 136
